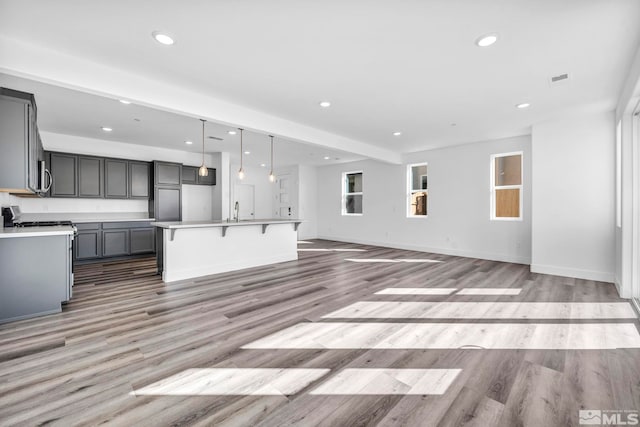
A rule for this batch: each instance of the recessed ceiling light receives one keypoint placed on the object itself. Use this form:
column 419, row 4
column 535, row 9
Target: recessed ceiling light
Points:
column 523, row 105
column 487, row 40
column 325, row 104
column 232, row 132
column 106, row 129
column 397, row 133
column 188, row 142
column 247, row 152
column 124, row 101
column 327, row 158
column 263, row 165
column 162, row 38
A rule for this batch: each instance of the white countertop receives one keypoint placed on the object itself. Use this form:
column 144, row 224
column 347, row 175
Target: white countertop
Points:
column 80, row 217
column 56, row 230
column 206, row 224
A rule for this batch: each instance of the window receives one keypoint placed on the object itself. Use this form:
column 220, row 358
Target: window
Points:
column 352, row 193
column 417, row 190
column 506, row 186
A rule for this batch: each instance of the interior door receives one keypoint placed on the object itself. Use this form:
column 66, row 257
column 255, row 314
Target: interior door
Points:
column 245, row 197
column 284, row 207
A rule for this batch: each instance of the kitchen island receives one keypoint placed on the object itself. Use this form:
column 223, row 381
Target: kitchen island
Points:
column 188, row 249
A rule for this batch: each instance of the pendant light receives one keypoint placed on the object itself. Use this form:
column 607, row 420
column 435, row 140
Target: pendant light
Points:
column 241, row 171
column 203, row 171
column 272, row 177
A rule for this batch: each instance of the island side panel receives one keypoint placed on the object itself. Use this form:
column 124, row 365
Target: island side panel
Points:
column 34, row 276
column 196, row 252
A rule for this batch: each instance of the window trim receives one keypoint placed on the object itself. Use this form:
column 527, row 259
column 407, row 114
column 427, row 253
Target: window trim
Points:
column 410, row 190
column 493, row 187
column 345, row 194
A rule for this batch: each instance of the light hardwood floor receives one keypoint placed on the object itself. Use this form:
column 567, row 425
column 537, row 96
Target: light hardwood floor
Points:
column 348, row 335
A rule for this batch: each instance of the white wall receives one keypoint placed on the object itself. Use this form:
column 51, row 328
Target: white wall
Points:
column 308, row 197
column 99, row 147
column 197, row 203
column 221, row 193
column 258, row 177
column 458, row 205
column 573, row 197
column 628, row 234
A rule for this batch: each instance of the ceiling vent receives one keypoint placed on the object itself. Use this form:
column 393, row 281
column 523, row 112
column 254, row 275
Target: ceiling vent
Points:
column 215, row 137
column 560, row 78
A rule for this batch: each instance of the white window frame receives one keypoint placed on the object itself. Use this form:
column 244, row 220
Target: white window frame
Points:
column 345, row 194
column 493, row 187
column 410, row 190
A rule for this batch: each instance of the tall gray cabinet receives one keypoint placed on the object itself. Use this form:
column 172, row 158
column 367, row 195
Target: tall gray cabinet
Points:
column 165, row 205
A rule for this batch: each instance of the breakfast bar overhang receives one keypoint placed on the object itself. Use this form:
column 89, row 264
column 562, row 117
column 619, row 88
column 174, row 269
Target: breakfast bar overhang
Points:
column 188, row 249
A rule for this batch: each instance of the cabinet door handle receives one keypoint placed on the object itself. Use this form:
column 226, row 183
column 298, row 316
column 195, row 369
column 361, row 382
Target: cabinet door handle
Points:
column 50, row 180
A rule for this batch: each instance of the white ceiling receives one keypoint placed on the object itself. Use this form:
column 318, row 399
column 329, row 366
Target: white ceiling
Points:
column 410, row 66
column 70, row 112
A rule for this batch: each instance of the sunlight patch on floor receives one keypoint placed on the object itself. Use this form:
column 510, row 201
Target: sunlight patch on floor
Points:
column 233, row 381
column 379, row 335
column 484, row 310
column 388, row 382
column 416, row 291
column 489, row 291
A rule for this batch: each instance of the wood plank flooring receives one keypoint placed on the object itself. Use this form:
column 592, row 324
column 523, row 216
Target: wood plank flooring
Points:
column 130, row 350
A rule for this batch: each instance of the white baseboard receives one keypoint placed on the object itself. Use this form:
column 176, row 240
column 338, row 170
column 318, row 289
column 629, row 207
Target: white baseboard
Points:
column 600, row 276
column 444, row 251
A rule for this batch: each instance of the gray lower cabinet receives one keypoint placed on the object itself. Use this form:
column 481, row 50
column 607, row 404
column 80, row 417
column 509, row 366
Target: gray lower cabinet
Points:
column 139, row 180
column 143, row 240
column 88, row 243
column 90, row 173
column 115, row 243
column 113, row 239
column 64, row 170
column 116, row 172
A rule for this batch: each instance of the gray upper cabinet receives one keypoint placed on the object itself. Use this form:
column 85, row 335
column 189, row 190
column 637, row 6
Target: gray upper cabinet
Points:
column 20, row 142
column 97, row 177
column 139, row 180
column 116, row 172
column 189, row 175
column 167, row 173
column 64, row 169
column 209, row 179
column 90, row 176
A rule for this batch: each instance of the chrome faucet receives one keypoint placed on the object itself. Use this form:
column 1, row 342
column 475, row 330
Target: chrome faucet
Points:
column 236, row 212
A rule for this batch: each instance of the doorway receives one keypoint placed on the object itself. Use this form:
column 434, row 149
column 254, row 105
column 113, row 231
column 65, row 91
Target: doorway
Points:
column 283, row 194
column 245, row 198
